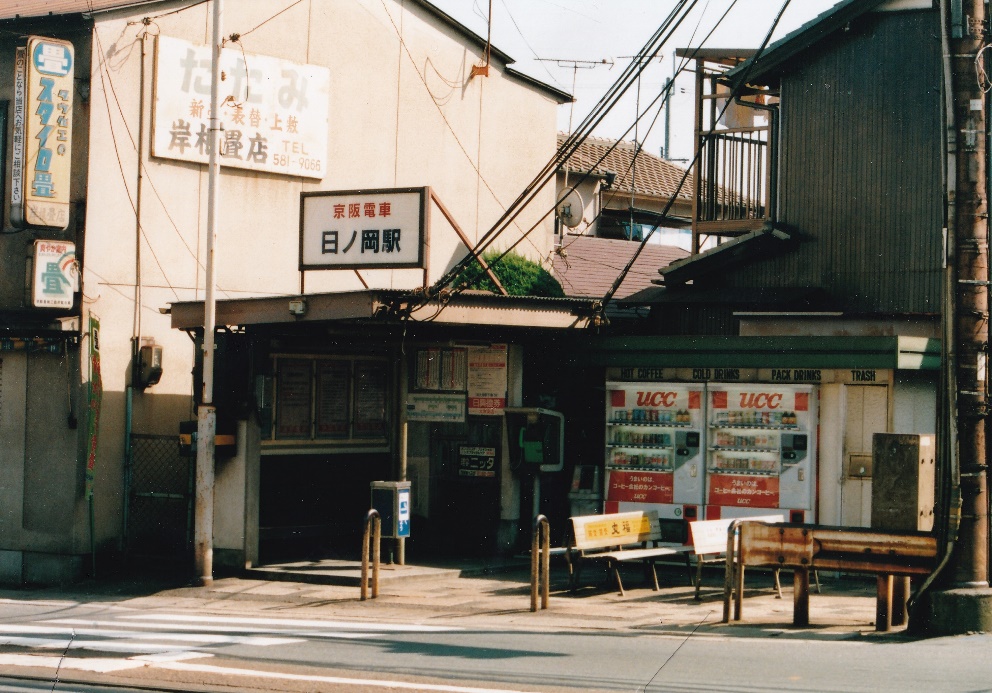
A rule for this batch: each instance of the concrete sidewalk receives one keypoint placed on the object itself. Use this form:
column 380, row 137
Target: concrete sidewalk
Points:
column 494, row 595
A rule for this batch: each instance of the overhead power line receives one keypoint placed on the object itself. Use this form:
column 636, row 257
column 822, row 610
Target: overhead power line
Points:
column 589, row 123
column 735, row 91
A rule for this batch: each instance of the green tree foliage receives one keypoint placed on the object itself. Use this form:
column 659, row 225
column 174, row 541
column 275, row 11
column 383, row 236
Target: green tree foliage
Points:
column 520, row 277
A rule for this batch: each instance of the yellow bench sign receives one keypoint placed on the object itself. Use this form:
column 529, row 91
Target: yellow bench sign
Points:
column 623, row 530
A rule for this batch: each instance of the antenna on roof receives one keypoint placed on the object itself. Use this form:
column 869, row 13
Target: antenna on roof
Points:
column 576, row 65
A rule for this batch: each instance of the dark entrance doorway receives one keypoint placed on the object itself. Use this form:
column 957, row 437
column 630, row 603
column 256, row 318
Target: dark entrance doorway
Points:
column 465, row 498
column 313, row 506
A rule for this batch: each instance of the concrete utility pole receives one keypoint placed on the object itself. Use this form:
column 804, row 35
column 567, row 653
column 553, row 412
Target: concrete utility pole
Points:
column 206, row 415
column 964, row 603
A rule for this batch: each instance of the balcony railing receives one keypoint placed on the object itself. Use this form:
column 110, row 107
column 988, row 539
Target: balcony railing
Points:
column 733, row 181
column 734, row 185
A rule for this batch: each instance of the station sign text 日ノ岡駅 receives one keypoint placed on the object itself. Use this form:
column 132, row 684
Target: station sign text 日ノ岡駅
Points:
column 42, row 134
column 363, row 229
column 274, row 112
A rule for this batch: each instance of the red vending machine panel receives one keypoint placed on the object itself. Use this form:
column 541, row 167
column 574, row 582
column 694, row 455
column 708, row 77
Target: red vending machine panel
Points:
column 654, row 447
column 761, row 450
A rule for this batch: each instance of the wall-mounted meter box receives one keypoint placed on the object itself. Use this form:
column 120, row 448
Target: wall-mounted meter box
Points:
column 150, row 370
column 392, row 500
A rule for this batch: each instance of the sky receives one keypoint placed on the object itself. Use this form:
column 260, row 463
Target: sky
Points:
column 545, row 37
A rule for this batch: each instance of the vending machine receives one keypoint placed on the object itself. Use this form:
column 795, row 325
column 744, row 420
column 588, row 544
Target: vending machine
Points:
column 761, row 451
column 654, row 448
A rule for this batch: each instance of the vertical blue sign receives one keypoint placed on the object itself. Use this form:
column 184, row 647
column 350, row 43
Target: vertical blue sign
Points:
column 403, row 513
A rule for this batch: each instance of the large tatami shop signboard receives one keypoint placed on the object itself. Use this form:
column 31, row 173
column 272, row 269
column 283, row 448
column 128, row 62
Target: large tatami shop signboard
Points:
column 274, row 112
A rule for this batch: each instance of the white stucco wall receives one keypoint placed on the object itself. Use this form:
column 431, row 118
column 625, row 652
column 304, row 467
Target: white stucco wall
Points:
column 403, row 111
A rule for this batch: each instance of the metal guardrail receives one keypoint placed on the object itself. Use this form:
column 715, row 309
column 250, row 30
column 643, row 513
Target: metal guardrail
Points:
column 805, row 548
column 540, row 557
column 371, row 536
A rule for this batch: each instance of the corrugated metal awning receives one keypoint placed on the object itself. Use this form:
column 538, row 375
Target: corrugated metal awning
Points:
column 467, row 308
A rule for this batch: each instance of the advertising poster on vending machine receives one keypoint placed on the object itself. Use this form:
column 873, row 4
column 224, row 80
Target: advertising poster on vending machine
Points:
column 653, row 448
column 760, row 450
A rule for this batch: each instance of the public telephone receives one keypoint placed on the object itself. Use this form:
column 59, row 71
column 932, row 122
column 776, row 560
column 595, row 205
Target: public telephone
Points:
column 536, row 437
column 531, row 442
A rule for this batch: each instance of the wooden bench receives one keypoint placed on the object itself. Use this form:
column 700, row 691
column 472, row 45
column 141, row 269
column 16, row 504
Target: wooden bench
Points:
column 618, row 538
column 709, row 544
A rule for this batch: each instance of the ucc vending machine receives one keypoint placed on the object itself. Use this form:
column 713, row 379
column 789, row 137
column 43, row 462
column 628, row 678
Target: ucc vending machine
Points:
column 654, row 448
column 761, row 451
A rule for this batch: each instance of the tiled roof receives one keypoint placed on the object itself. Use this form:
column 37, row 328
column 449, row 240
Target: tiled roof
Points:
column 651, row 175
column 591, row 265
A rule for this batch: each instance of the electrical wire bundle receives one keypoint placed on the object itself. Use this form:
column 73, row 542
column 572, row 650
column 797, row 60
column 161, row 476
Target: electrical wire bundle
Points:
column 630, row 76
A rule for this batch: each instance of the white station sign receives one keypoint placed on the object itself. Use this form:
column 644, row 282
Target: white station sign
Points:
column 363, row 229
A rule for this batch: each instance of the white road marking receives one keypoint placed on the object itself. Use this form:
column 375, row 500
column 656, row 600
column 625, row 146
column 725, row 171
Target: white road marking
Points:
column 170, row 656
column 53, row 662
column 381, row 683
column 100, row 645
column 104, row 665
column 188, row 630
column 323, row 625
column 195, row 638
column 39, row 602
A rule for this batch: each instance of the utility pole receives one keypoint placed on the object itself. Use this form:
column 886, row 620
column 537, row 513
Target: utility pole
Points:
column 969, row 561
column 206, row 415
column 963, row 601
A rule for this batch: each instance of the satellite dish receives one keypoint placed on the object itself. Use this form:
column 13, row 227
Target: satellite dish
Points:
column 570, row 209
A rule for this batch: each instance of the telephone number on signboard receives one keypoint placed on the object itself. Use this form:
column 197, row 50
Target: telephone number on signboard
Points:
column 303, row 162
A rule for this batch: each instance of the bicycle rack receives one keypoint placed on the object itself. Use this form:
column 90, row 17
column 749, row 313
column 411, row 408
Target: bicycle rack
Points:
column 540, row 553
column 373, row 527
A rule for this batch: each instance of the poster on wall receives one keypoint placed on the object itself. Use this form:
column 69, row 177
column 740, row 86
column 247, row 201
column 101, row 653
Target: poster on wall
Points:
column 274, row 115
column 477, row 462
column 487, row 380
column 293, row 399
column 441, row 369
column 333, row 399
column 370, row 400
column 435, row 406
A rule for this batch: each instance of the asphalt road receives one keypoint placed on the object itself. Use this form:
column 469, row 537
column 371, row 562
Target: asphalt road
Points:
column 187, row 649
